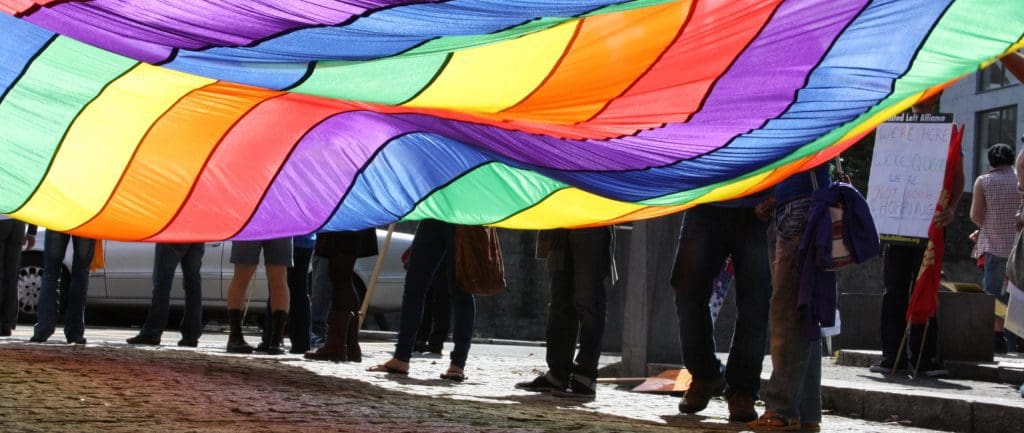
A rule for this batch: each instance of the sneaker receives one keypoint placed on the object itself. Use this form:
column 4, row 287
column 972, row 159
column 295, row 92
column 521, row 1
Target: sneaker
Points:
column 700, row 393
column 543, row 383
column 577, row 389
column 143, row 340
column 885, row 367
column 931, row 369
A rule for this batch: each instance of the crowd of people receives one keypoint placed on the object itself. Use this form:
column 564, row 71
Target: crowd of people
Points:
column 781, row 294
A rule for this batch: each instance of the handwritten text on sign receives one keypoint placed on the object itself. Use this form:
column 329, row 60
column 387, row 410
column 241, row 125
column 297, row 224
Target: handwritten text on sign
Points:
column 906, row 173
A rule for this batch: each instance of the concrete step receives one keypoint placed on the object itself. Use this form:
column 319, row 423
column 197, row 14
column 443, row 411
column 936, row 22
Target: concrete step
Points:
column 1005, row 368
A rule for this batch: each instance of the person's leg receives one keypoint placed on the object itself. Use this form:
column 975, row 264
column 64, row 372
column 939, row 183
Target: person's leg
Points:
column 750, row 335
column 993, row 281
column 74, row 316
column 165, row 260
column 245, row 255
column 12, row 236
column 56, row 244
column 191, row 264
column 562, row 330
column 441, row 314
column 427, row 324
column 428, row 253
column 899, row 270
column 299, row 314
column 699, row 260
column 789, row 350
column 320, row 297
column 345, row 302
column 591, row 260
column 463, row 307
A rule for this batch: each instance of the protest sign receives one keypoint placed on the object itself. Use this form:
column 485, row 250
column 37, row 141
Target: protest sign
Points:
column 907, row 167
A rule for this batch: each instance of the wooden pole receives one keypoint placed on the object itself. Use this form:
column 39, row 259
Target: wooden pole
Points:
column 920, row 350
column 372, row 284
column 903, row 345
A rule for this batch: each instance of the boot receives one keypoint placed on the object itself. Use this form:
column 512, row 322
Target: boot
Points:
column 236, row 343
column 278, row 321
column 355, row 354
column 335, row 348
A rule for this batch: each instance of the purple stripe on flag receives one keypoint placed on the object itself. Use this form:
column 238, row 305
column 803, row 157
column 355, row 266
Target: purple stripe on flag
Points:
column 319, row 172
column 150, row 33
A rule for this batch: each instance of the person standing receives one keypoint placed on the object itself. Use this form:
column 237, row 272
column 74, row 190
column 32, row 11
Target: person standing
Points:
column 166, row 258
column 277, row 257
column 433, row 250
column 793, row 395
column 12, row 238
column 437, row 318
column 341, row 249
column 299, row 324
column 579, row 261
column 900, row 266
column 54, row 248
column 994, row 204
column 710, row 234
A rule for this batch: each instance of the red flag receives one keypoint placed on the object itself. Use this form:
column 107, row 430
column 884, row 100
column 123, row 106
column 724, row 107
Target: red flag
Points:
column 925, row 298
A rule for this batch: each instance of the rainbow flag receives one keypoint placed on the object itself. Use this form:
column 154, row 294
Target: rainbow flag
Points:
column 194, row 120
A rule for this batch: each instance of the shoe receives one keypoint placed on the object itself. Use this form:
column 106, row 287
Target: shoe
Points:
column 885, row 367
column 261, row 347
column 188, row 342
column 419, row 347
column 5, row 331
column 542, row 383
column 772, row 421
column 37, row 339
column 577, row 389
column 79, row 340
column 454, row 374
column 741, row 407
column 142, row 340
column 999, row 343
column 931, row 369
column 700, row 393
column 238, row 345
column 335, row 348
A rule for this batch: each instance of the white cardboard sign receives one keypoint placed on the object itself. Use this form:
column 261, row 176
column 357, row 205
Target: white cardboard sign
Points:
column 907, row 167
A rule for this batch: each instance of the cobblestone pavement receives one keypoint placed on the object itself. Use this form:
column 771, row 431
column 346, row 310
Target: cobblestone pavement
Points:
column 108, row 386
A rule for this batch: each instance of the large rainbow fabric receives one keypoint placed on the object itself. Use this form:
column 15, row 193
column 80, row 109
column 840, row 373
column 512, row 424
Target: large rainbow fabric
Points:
column 192, row 120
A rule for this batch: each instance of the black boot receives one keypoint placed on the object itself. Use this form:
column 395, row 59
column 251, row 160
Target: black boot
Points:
column 355, row 354
column 236, row 343
column 335, row 348
column 999, row 342
column 278, row 321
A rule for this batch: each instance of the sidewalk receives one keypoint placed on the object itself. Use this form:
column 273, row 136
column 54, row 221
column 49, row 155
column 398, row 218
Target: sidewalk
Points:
column 953, row 403
column 110, row 386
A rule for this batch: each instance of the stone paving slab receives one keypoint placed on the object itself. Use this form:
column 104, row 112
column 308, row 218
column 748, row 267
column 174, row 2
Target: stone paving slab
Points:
column 108, row 385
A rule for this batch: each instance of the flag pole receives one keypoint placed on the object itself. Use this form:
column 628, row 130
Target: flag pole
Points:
column 372, row 284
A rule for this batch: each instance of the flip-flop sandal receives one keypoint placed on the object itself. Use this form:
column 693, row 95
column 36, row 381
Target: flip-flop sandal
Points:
column 454, row 376
column 381, row 368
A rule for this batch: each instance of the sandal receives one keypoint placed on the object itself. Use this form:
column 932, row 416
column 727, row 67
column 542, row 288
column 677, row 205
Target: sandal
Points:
column 453, row 375
column 772, row 421
column 382, row 368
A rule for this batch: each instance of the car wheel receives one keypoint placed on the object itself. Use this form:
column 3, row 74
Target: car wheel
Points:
column 30, row 283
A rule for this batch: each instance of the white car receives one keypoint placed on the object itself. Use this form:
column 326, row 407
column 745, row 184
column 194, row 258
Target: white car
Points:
column 126, row 280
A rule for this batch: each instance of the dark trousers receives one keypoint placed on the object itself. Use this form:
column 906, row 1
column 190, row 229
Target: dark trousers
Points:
column 578, row 302
column 12, row 236
column 299, row 321
column 709, row 234
column 899, row 272
column 437, row 315
column 431, row 246
column 166, row 258
column 53, row 257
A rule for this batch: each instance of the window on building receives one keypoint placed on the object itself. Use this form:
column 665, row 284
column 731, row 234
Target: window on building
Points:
column 994, row 126
column 995, row 77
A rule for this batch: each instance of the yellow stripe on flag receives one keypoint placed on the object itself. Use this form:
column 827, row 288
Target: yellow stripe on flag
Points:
column 100, row 144
column 493, row 77
column 568, row 208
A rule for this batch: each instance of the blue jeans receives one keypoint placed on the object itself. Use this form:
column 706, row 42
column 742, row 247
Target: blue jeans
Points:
column 794, row 389
column 53, row 257
column 578, row 307
column 12, row 236
column 709, row 234
column 320, row 296
column 166, row 258
column 430, row 247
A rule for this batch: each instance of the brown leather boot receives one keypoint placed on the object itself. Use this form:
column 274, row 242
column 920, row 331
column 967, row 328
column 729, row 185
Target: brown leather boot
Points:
column 355, row 354
column 335, row 348
column 700, row 393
